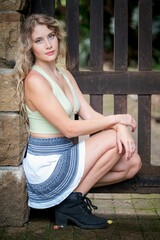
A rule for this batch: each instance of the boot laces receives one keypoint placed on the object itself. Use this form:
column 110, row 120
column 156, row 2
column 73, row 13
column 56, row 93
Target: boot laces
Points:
column 88, row 204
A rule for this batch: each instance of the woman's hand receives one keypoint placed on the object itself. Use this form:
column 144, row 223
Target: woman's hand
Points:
column 125, row 141
column 127, row 120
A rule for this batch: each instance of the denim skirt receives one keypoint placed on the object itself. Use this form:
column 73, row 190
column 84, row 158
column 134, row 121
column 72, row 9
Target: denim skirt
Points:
column 53, row 168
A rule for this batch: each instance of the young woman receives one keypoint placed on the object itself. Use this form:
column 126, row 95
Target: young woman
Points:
column 58, row 172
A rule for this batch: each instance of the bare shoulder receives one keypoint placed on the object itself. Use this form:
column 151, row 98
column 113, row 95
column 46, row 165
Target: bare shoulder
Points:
column 35, row 80
column 34, row 77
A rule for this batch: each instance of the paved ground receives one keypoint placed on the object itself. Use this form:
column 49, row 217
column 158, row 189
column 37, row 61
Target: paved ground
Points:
column 134, row 216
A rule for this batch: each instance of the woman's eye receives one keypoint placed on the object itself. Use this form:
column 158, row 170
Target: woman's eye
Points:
column 38, row 41
column 51, row 36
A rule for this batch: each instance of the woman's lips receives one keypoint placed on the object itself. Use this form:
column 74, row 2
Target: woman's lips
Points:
column 50, row 53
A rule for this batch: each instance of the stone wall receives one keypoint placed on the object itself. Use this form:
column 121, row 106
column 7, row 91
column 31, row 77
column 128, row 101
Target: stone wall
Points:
column 13, row 198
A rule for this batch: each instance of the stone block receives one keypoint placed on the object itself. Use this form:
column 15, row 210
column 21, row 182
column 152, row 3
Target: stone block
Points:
column 9, row 25
column 12, row 5
column 8, row 94
column 14, row 210
column 13, row 138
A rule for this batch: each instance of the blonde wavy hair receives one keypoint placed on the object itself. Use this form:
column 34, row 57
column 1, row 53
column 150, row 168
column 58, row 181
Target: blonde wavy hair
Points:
column 25, row 58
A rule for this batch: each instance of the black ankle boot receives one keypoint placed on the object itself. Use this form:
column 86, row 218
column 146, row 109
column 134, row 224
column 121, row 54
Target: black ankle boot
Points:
column 78, row 209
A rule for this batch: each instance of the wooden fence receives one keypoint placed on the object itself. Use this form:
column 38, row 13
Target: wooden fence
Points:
column 120, row 82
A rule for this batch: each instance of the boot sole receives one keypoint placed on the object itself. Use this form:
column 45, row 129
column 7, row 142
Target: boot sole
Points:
column 62, row 219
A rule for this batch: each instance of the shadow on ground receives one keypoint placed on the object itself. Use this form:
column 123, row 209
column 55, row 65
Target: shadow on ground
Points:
column 123, row 227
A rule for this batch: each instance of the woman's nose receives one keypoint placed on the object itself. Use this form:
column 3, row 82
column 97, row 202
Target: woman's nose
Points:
column 48, row 44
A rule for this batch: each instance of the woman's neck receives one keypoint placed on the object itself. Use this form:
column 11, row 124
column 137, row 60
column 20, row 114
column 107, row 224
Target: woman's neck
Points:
column 48, row 67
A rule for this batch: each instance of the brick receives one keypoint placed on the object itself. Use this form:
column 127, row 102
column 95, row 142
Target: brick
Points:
column 13, row 138
column 14, row 209
column 12, row 5
column 8, row 95
column 9, row 25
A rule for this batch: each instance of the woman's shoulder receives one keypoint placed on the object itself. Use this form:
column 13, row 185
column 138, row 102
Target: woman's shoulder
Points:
column 34, row 79
column 32, row 74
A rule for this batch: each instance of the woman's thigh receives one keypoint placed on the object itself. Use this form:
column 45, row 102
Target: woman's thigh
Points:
column 98, row 145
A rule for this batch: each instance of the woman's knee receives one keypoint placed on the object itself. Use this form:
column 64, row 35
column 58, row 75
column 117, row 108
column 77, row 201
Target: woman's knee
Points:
column 131, row 167
column 135, row 166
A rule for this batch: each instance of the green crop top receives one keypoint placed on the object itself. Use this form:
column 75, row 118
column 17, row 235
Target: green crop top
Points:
column 37, row 123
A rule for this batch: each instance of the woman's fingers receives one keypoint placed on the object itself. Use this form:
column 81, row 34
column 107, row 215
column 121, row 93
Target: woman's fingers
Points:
column 120, row 146
column 131, row 148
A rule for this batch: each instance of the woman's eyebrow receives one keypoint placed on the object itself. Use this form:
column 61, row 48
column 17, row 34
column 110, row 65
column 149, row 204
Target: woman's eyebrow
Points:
column 41, row 37
column 52, row 33
column 37, row 38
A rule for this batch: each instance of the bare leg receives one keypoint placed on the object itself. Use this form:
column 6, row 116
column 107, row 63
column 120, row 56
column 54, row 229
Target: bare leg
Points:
column 104, row 165
column 101, row 156
column 121, row 171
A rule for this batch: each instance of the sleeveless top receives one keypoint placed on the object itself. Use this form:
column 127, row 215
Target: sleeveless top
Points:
column 37, row 123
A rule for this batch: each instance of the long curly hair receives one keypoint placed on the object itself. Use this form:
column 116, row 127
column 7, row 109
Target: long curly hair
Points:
column 25, row 58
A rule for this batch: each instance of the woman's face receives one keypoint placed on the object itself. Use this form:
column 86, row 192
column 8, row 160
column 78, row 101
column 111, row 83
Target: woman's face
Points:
column 44, row 44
